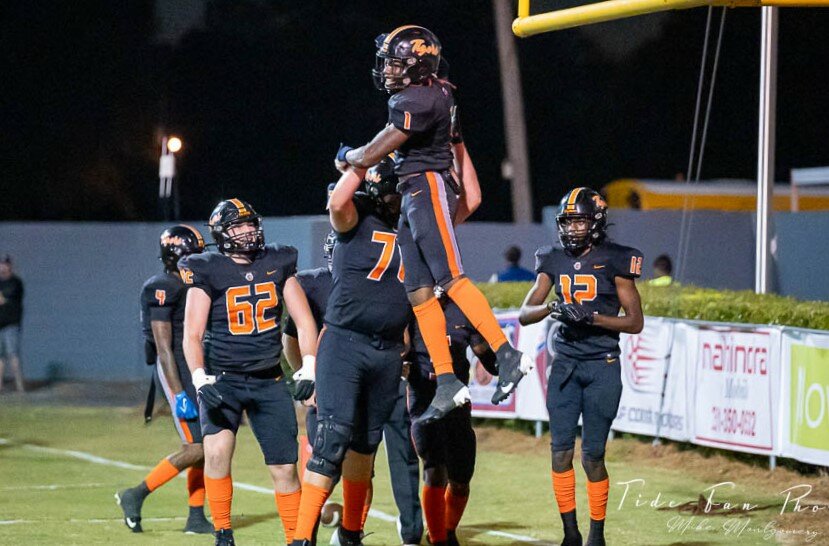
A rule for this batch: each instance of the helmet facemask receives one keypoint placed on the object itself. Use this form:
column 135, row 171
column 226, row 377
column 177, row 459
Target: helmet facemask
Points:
column 240, row 242
column 575, row 241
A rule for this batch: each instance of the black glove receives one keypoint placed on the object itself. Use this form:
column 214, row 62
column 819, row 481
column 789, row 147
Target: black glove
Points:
column 573, row 313
column 211, row 396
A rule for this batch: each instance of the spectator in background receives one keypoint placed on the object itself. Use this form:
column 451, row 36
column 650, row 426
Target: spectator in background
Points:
column 662, row 269
column 11, row 311
column 514, row 272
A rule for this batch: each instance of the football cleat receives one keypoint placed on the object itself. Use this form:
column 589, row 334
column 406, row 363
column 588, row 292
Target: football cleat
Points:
column 344, row 537
column 596, row 535
column 450, row 394
column 513, row 365
column 224, row 537
column 130, row 501
column 452, row 539
column 572, row 536
column 197, row 523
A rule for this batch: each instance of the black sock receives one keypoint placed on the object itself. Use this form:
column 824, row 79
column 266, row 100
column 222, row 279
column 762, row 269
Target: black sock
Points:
column 596, row 536
column 196, row 511
column 570, row 523
column 143, row 490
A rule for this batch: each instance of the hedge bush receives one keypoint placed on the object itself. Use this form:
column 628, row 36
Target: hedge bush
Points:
column 690, row 302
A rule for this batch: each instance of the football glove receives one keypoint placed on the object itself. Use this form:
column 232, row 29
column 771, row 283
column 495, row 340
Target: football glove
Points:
column 206, row 388
column 573, row 313
column 185, row 408
column 342, row 151
column 304, row 378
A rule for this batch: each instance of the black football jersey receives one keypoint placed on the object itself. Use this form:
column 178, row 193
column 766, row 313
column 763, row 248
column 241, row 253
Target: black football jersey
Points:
column 426, row 112
column 367, row 293
column 316, row 283
column 590, row 281
column 461, row 335
column 243, row 331
column 162, row 298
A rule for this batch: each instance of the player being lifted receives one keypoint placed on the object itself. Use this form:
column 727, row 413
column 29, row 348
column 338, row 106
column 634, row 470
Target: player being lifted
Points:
column 162, row 320
column 360, row 350
column 234, row 306
column 592, row 278
column 421, row 109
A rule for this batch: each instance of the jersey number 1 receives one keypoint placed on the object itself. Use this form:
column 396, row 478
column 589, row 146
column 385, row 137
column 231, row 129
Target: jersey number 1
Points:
column 587, row 292
column 387, row 240
column 242, row 317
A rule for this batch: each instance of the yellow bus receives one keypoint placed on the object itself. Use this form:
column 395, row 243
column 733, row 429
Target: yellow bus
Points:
column 728, row 194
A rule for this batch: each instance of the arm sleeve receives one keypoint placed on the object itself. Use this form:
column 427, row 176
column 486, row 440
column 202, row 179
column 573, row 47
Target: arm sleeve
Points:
column 409, row 112
column 628, row 263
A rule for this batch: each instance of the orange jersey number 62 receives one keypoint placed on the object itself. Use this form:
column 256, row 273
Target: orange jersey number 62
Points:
column 242, row 317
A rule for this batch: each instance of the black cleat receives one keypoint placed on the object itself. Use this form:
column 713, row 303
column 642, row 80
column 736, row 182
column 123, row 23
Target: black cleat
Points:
column 596, row 536
column 301, row 543
column 513, row 365
column 452, row 539
column 130, row 501
column 344, row 537
column 224, row 537
column 572, row 536
column 450, row 394
column 197, row 523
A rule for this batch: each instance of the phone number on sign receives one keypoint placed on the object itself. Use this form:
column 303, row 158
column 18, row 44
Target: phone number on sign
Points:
column 733, row 421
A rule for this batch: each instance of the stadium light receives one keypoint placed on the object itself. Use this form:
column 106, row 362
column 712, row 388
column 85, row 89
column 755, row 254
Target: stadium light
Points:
column 174, row 144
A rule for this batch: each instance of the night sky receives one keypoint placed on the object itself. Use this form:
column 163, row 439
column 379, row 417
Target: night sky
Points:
column 263, row 92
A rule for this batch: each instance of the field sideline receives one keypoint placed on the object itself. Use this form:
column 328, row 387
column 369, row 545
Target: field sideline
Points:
column 51, row 496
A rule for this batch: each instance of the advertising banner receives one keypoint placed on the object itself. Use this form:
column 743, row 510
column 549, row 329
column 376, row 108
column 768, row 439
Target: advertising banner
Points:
column 736, row 386
column 805, row 395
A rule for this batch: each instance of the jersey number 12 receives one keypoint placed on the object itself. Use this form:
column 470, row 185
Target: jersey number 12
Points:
column 585, row 288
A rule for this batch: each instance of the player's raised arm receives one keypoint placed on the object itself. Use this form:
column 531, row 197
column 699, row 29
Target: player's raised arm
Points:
column 633, row 320
column 385, row 142
column 341, row 208
column 470, row 198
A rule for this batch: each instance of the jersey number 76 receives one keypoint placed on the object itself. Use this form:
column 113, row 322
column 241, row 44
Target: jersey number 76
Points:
column 386, row 254
column 245, row 317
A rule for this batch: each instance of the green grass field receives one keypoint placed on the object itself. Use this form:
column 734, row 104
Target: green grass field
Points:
column 50, row 496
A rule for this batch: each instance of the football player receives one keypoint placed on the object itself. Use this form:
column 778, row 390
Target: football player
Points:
column 360, row 349
column 162, row 319
column 447, row 447
column 593, row 278
column 234, row 307
column 403, row 462
column 421, row 109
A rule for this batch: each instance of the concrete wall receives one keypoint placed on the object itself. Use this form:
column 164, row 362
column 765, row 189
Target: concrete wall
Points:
column 83, row 279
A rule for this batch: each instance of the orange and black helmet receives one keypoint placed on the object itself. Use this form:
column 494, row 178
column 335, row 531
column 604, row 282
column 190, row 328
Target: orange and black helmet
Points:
column 582, row 204
column 230, row 213
column 177, row 242
column 411, row 54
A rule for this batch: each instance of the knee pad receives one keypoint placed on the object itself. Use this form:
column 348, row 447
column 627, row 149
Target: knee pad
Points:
column 331, row 441
column 592, row 452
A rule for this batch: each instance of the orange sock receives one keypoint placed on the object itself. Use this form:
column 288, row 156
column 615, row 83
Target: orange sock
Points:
column 305, row 452
column 564, row 487
column 220, row 497
column 474, row 305
column 195, row 486
column 354, row 501
column 163, row 472
column 287, row 504
column 433, row 501
column 455, row 506
column 310, row 505
column 432, row 324
column 367, row 505
column 597, row 498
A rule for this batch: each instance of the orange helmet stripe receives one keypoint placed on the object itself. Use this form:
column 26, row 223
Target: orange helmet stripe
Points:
column 196, row 233
column 394, row 32
column 243, row 211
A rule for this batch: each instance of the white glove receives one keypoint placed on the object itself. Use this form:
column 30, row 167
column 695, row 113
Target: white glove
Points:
column 304, row 378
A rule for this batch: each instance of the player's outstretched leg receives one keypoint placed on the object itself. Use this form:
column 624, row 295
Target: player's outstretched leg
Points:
column 132, row 499
column 512, row 364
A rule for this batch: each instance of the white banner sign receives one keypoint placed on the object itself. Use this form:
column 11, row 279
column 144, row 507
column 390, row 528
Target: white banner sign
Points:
column 736, row 387
column 647, row 369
